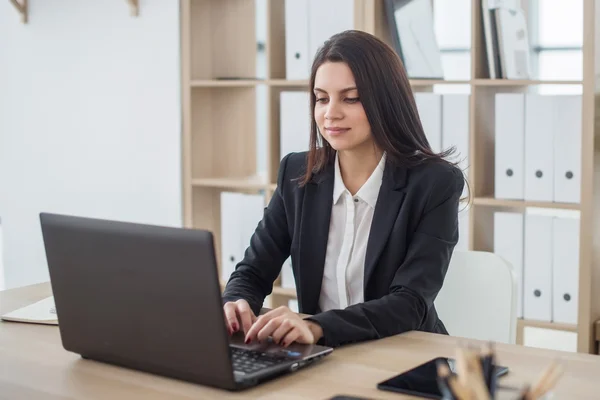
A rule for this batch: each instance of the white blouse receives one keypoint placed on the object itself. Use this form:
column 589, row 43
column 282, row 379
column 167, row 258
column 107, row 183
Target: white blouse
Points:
column 349, row 228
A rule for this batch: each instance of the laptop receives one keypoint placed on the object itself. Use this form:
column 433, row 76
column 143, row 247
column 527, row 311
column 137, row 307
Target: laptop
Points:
column 148, row 298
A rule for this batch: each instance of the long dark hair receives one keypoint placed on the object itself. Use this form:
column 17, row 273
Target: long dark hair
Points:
column 386, row 96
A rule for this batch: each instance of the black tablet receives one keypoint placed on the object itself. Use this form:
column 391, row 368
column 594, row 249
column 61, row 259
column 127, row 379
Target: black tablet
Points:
column 422, row 380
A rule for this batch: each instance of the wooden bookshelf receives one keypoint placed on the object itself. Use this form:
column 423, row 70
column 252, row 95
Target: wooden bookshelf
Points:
column 220, row 82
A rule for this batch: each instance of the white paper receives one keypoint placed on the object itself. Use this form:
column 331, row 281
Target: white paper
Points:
column 43, row 311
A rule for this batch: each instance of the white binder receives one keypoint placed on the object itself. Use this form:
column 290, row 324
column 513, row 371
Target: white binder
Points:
column 508, row 244
column 510, row 146
column 539, row 147
column 297, row 56
column 294, row 122
column 293, row 305
column 565, row 266
column 537, row 274
column 326, row 18
column 231, row 251
column 455, row 128
column 513, row 39
column 429, row 106
column 252, row 206
column 567, row 148
column 240, row 215
column 308, row 24
column 40, row 312
column 287, row 275
column 463, row 228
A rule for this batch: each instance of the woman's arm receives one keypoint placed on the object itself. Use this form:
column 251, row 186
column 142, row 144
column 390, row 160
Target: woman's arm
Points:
column 416, row 282
column 269, row 247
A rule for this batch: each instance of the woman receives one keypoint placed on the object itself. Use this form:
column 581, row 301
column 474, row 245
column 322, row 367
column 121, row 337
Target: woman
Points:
column 368, row 215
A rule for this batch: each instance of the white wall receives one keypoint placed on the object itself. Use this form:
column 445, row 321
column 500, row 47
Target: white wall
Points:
column 89, row 119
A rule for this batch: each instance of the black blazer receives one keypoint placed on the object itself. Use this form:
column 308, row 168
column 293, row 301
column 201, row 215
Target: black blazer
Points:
column 413, row 234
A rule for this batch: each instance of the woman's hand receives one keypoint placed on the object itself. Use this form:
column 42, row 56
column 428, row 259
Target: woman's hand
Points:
column 238, row 315
column 285, row 327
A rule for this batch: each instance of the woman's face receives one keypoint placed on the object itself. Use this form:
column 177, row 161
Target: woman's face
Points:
column 339, row 114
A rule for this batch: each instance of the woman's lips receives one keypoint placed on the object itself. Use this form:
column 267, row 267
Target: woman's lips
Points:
column 333, row 131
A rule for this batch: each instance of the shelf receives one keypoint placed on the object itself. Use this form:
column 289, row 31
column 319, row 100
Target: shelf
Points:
column 250, row 183
column 277, row 290
column 284, row 292
column 413, row 82
column 219, row 41
column 288, row 83
column 493, row 202
column 134, row 7
column 216, row 83
column 522, row 323
column 223, row 118
column 525, row 82
column 430, row 82
column 23, row 8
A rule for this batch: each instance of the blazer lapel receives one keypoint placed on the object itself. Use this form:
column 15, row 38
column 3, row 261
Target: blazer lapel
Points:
column 314, row 233
column 386, row 209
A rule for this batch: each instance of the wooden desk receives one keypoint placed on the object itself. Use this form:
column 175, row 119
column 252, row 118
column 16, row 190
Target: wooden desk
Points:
column 33, row 365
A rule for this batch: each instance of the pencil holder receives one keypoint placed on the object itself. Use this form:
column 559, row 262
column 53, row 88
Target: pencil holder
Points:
column 484, row 378
column 472, row 375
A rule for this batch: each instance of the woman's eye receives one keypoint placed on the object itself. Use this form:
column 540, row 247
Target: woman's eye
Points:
column 352, row 99
column 321, row 100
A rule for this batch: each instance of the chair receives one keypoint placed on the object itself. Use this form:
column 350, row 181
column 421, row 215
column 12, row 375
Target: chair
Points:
column 479, row 297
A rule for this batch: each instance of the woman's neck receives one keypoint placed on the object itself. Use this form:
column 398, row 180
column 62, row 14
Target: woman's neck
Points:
column 356, row 167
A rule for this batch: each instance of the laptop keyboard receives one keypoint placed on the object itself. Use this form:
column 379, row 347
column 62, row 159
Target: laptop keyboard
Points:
column 247, row 361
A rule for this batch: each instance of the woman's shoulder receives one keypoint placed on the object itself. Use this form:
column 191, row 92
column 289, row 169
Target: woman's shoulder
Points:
column 293, row 164
column 437, row 169
column 292, row 168
column 295, row 161
column 437, row 175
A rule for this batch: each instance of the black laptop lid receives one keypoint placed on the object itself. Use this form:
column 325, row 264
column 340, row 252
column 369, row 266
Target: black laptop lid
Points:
column 141, row 296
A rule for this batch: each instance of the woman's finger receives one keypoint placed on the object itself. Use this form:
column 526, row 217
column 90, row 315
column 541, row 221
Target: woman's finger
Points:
column 291, row 337
column 257, row 326
column 284, row 328
column 231, row 317
column 269, row 328
column 244, row 314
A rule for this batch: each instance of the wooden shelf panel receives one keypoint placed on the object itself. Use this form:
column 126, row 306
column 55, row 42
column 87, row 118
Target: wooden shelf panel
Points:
column 524, row 82
column 277, row 290
column 413, row 82
column 222, row 39
column 523, row 323
column 22, row 8
column 288, row 83
column 291, row 293
column 503, row 203
column 216, row 83
column 250, row 183
column 206, row 214
column 223, row 130
column 431, row 82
